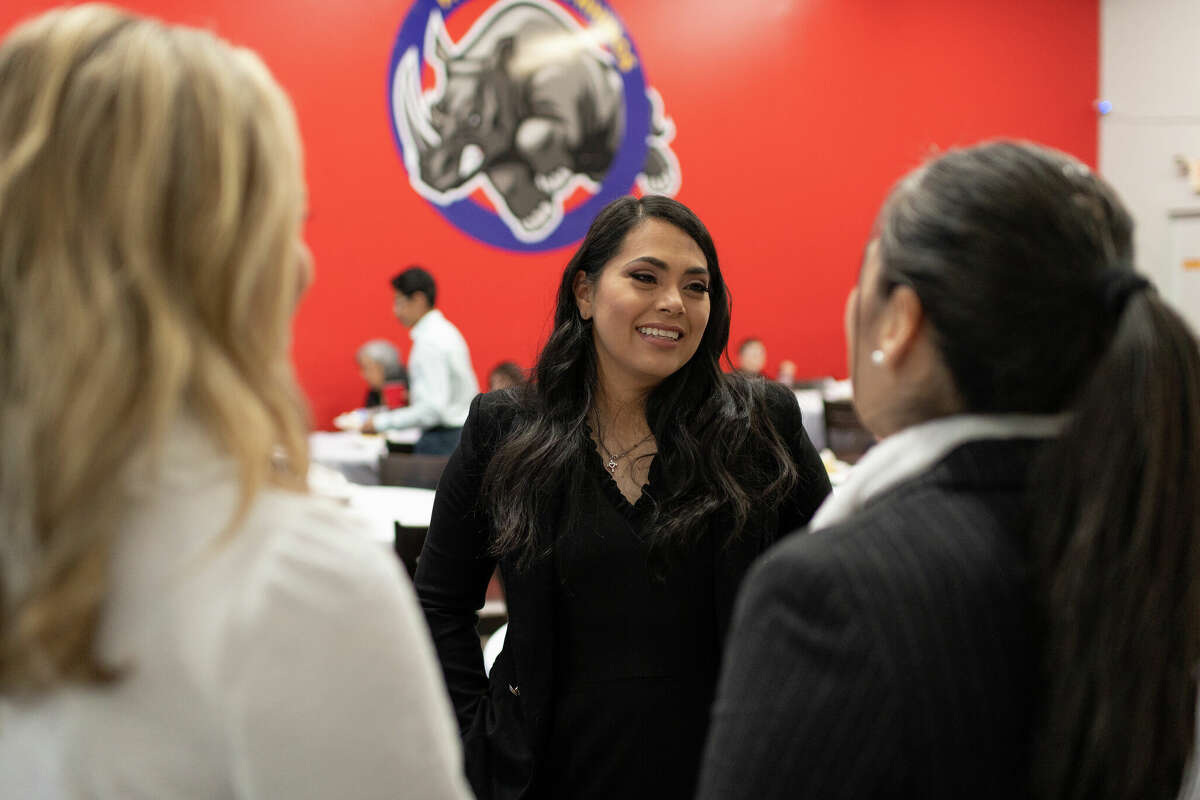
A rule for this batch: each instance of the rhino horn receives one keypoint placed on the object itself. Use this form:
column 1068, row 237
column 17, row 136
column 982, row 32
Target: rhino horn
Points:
column 441, row 49
column 436, row 35
column 414, row 109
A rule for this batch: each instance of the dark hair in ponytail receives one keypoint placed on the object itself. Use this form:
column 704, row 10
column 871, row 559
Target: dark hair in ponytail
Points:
column 1022, row 259
column 1118, row 548
column 714, row 436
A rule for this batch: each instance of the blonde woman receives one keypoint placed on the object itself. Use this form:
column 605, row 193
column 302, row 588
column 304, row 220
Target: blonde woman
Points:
column 177, row 617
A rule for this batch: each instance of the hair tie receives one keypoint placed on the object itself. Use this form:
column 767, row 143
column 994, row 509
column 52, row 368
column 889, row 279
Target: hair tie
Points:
column 1117, row 286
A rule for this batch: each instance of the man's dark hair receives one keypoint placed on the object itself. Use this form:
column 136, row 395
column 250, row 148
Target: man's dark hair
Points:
column 413, row 280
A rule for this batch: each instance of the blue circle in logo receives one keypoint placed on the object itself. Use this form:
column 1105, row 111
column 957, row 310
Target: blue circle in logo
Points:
column 488, row 226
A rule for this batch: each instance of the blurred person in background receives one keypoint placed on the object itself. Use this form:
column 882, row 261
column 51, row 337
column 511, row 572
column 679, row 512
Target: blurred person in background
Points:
column 623, row 492
column 379, row 364
column 1002, row 599
column 387, row 384
column 505, row 375
column 441, row 380
column 751, row 356
column 178, row 617
column 787, row 373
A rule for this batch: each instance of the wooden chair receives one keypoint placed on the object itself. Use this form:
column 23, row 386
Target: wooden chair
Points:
column 844, row 431
column 408, row 469
column 408, row 544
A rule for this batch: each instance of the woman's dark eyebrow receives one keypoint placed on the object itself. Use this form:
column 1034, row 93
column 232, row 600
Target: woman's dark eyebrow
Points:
column 658, row 262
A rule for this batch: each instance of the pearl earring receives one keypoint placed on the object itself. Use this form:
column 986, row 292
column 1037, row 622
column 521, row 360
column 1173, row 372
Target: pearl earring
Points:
column 877, row 357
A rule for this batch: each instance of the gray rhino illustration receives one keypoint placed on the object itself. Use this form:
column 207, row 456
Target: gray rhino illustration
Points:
column 526, row 105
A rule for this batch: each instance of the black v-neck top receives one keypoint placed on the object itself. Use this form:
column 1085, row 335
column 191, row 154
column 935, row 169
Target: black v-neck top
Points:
column 636, row 651
column 603, row 687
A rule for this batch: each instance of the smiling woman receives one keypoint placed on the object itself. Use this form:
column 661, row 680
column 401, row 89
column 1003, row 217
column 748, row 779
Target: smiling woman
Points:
column 633, row 463
column 648, row 309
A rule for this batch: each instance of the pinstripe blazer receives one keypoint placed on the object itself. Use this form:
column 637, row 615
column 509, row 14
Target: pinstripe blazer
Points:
column 891, row 655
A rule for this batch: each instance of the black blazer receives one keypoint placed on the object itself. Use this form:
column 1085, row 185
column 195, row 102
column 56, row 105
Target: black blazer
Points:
column 503, row 719
column 891, row 655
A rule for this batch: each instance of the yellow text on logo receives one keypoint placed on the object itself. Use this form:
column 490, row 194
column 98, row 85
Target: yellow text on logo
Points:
column 603, row 20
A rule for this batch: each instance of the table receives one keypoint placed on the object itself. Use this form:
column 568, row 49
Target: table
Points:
column 384, row 506
column 403, row 435
column 812, row 413
column 378, row 507
column 356, row 455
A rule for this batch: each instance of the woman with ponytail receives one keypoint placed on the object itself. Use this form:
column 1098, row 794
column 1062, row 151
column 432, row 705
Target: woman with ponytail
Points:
column 178, row 617
column 1002, row 601
column 623, row 493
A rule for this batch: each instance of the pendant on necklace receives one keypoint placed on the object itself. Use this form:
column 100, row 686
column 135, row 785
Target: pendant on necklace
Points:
column 612, row 466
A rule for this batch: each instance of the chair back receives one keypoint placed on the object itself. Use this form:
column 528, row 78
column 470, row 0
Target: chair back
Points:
column 408, row 469
column 844, row 431
column 408, row 544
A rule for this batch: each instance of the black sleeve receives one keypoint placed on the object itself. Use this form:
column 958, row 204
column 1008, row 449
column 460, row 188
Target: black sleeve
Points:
column 805, row 707
column 454, row 567
column 812, row 485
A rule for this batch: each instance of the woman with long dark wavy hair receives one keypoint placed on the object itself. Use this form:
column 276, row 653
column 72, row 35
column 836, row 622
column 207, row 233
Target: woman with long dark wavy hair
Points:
column 1002, row 599
column 624, row 493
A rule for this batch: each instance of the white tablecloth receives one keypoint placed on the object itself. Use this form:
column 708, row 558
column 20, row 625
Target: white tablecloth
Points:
column 354, row 454
column 345, row 447
column 379, row 507
column 812, row 411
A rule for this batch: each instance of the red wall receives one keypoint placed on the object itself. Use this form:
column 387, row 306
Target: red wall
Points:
column 793, row 117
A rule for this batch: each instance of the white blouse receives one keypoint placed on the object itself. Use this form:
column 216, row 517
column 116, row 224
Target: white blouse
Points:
column 286, row 659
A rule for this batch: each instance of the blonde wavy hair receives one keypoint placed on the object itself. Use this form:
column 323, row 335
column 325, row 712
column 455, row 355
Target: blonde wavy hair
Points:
column 151, row 201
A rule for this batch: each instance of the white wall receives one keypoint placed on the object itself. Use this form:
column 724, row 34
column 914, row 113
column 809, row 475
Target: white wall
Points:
column 1150, row 71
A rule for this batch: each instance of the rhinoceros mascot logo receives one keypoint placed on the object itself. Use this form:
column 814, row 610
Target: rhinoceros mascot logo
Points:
column 529, row 105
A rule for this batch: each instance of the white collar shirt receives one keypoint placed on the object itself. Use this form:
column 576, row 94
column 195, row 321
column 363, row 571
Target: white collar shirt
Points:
column 441, row 380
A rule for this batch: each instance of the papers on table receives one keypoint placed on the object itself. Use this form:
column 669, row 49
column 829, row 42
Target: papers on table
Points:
column 403, row 435
column 345, row 447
